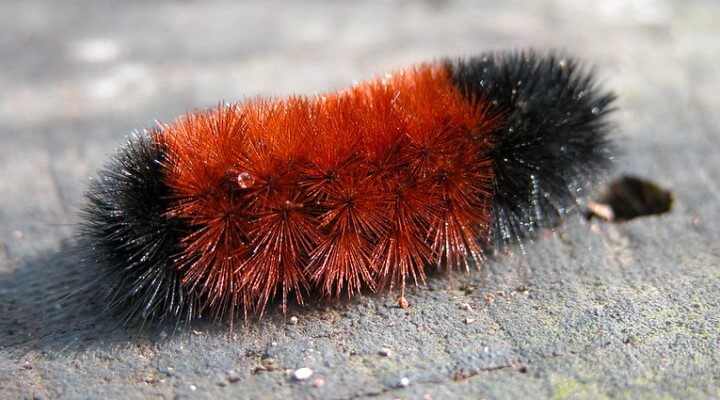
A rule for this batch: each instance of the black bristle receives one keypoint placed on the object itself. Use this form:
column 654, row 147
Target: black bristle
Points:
column 553, row 142
column 130, row 239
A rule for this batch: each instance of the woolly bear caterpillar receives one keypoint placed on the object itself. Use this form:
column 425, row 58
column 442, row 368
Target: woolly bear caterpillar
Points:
column 223, row 210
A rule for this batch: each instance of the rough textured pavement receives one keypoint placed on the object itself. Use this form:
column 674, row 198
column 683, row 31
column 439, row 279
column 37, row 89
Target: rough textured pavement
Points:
column 593, row 310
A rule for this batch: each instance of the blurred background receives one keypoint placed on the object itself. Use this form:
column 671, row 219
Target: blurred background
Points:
column 77, row 76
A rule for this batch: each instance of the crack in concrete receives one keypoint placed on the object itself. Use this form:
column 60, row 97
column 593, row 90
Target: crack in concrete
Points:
column 521, row 366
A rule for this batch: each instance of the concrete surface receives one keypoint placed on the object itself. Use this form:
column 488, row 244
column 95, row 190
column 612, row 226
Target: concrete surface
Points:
column 594, row 310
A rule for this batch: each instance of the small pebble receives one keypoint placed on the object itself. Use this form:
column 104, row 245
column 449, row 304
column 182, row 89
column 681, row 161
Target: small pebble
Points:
column 404, row 382
column 469, row 321
column 302, row 373
column 319, row 382
column 196, row 332
column 490, row 298
column 403, row 302
column 465, row 307
column 266, row 364
column 193, row 388
column 233, row 377
column 385, row 352
column 603, row 211
column 293, row 320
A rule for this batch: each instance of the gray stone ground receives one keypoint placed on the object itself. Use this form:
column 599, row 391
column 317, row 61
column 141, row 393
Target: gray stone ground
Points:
column 611, row 310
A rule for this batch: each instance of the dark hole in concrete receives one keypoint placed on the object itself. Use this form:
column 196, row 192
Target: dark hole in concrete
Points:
column 630, row 197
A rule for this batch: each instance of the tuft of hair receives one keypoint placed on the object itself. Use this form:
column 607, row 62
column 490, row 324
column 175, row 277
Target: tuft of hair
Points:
column 130, row 241
column 554, row 143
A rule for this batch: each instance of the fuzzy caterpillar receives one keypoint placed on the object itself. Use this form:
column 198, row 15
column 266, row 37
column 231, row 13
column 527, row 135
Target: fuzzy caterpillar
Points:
column 224, row 210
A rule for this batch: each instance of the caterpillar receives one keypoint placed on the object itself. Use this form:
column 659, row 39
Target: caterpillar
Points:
column 224, row 210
